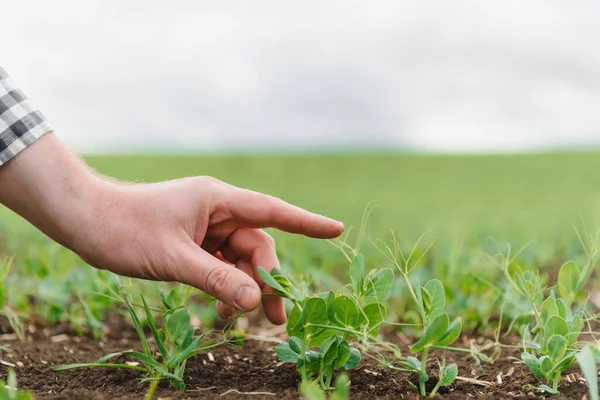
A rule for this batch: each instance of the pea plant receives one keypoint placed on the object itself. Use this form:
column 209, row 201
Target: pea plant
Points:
column 320, row 326
column 176, row 342
column 549, row 347
column 438, row 332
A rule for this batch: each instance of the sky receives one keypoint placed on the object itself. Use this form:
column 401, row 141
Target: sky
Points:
column 235, row 76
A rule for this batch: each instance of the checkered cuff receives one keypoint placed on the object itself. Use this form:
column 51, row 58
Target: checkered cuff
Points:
column 20, row 124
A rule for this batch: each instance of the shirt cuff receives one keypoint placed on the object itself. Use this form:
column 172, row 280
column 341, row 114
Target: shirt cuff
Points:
column 20, row 124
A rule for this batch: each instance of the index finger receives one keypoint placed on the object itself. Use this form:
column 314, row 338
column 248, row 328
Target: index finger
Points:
column 264, row 211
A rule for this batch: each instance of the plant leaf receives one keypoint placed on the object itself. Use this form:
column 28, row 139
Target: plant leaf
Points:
column 556, row 347
column 295, row 344
column 286, row 354
column 555, row 326
column 376, row 314
column 269, row 280
column 568, row 280
column 343, row 312
column 353, row 360
column 357, row 274
column 549, row 309
column 161, row 346
column 432, row 333
column 451, row 334
column 343, row 354
column 435, row 288
column 533, row 363
column 587, row 363
column 177, row 326
column 378, row 286
column 448, row 374
column 312, row 391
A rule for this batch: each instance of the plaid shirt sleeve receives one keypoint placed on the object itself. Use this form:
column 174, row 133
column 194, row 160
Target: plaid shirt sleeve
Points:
column 20, row 124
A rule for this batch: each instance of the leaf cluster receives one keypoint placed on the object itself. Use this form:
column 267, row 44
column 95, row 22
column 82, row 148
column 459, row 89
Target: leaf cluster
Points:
column 319, row 326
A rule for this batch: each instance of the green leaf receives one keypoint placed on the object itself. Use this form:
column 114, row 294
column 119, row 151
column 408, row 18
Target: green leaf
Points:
column 186, row 353
column 376, row 314
column 343, row 355
column 556, row 348
column 353, row 360
column 177, row 326
column 435, row 288
column 311, row 390
column 357, row 274
column 286, row 354
column 562, row 308
column 568, row 280
column 549, row 309
column 269, row 280
column 451, row 334
column 293, row 320
column 448, row 375
column 432, row 333
column 587, row 363
column 295, row 344
column 161, row 346
column 329, row 351
column 575, row 327
column 342, row 388
column 546, row 365
column 412, row 363
column 343, row 312
column 378, row 286
column 533, row 363
column 314, row 312
column 555, row 326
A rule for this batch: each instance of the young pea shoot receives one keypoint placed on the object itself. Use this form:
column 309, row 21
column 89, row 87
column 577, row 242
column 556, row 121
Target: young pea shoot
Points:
column 176, row 343
column 320, row 326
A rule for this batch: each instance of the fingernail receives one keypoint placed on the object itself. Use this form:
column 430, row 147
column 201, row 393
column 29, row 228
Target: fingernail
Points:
column 245, row 299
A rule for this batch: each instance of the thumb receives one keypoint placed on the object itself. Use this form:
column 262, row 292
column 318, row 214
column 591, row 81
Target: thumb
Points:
column 221, row 280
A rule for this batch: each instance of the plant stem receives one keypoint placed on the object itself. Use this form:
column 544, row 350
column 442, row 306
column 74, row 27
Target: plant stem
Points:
column 423, row 368
column 151, row 389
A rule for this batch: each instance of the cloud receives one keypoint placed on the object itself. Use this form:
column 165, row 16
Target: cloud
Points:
column 442, row 76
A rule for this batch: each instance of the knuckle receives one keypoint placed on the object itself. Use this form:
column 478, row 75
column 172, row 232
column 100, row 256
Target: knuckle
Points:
column 216, row 280
column 269, row 239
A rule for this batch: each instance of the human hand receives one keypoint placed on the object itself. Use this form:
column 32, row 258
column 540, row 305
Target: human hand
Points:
column 198, row 231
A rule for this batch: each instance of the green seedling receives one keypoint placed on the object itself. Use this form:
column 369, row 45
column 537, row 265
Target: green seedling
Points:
column 438, row 331
column 549, row 347
column 8, row 390
column 176, row 342
column 320, row 326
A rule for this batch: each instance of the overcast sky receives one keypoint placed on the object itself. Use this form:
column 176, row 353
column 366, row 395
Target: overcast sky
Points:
column 460, row 76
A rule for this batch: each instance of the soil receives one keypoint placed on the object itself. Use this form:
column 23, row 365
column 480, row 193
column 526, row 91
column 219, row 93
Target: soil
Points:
column 251, row 371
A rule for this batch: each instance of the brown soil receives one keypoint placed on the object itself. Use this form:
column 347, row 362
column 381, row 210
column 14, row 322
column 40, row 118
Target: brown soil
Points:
column 232, row 371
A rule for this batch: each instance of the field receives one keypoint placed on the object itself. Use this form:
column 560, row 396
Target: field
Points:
column 488, row 236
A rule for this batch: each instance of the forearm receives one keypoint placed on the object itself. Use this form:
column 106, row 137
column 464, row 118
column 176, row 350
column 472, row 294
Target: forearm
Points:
column 52, row 188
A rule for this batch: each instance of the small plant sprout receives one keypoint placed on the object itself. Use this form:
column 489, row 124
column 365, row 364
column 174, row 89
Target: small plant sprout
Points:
column 549, row 348
column 176, row 342
column 320, row 326
column 438, row 331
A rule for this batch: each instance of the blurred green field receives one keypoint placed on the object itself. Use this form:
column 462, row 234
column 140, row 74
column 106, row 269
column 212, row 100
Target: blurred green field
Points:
column 467, row 201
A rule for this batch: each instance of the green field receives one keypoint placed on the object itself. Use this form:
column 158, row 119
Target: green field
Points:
column 471, row 206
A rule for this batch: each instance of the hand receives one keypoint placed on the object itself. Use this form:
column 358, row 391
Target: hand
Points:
column 198, row 231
